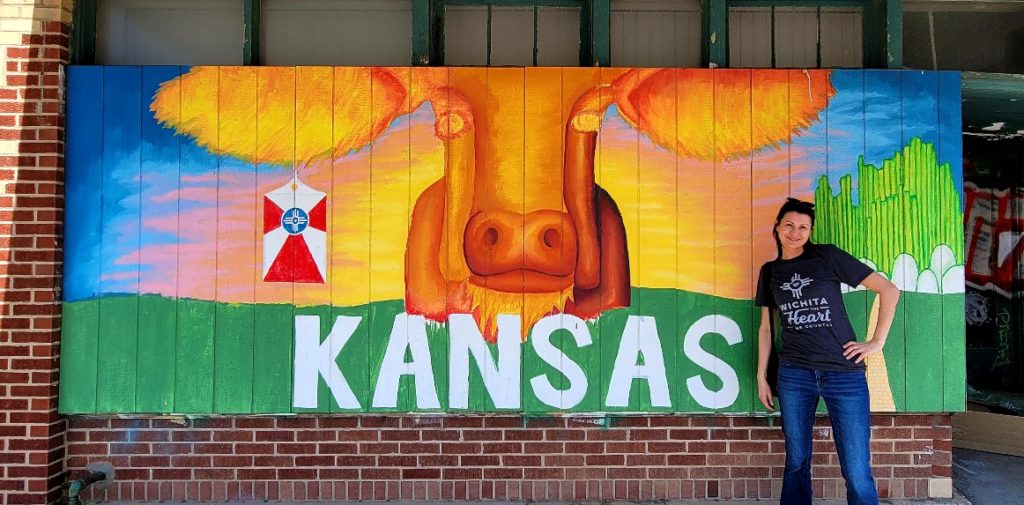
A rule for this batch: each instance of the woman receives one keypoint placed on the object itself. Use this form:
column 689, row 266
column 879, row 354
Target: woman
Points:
column 820, row 355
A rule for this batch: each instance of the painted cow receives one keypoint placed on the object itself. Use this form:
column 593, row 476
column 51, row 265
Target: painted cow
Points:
column 517, row 224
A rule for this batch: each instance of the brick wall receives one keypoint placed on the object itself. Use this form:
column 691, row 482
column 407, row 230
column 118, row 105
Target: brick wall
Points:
column 484, row 458
column 33, row 47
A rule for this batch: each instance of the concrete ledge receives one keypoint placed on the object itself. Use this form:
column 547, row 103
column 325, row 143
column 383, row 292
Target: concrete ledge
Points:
column 956, row 500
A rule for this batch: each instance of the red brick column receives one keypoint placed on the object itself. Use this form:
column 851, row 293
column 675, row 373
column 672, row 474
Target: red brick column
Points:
column 33, row 49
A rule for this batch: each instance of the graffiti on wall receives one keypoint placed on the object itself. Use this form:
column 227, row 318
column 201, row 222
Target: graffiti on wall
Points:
column 995, row 267
column 993, row 227
column 244, row 239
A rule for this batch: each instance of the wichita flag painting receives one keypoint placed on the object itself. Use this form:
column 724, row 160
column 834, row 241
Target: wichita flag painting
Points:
column 537, row 240
column 295, row 234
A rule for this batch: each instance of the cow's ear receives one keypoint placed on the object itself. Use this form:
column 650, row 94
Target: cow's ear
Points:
column 224, row 99
column 613, row 290
column 643, row 96
column 578, row 184
column 578, row 194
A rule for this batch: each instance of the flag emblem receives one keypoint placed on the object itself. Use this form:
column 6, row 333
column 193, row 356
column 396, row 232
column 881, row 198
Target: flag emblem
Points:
column 295, row 234
column 294, row 221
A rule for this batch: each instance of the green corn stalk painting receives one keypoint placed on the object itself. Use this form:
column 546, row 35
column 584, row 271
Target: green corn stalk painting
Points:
column 908, row 205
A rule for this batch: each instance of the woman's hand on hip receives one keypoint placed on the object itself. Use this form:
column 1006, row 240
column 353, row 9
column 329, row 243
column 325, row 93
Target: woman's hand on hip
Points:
column 857, row 351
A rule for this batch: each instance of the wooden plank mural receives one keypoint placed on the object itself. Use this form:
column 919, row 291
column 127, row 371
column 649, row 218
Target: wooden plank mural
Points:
column 540, row 240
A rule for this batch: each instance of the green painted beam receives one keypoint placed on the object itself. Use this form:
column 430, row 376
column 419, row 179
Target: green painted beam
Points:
column 83, row 33
column 715, row 33
column 894, row 33
column 421, row 40
column 883, row 34
column 600, row 34
column 251, row 10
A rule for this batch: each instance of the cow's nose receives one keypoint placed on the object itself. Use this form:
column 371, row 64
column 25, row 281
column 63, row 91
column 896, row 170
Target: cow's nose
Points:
column 490, row 241
column 499, row 241
column 550, row 242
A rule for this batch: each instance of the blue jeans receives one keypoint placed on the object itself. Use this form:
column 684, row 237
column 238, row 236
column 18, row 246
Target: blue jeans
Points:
column 846, row 396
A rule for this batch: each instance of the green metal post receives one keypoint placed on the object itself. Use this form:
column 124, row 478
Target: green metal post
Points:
column 251, row 10
column 715, row 27
column 600, row 34
column 421, row 32
column 83, row 33
column 883, row 33
column 894, row 33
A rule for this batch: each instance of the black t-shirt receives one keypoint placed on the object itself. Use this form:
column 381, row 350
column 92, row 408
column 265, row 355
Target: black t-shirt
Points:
column 806, row 291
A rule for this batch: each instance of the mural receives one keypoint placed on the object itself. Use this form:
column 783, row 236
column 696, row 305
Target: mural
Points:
column 315, row 239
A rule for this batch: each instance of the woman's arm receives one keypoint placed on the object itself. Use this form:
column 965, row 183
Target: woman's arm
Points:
column 888, row 296
column 764, row 346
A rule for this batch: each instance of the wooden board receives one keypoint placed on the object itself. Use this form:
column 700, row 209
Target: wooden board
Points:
column 985, row 431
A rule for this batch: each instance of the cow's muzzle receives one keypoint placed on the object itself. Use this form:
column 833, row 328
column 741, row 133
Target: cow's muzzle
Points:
column 526, row 253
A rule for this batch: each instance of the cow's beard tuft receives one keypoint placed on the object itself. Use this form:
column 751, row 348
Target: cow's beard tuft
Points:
column 487, row 304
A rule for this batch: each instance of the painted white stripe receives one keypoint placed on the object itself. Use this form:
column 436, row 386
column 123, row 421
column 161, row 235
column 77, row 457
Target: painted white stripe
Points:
column 273, row 241
column 316, row 240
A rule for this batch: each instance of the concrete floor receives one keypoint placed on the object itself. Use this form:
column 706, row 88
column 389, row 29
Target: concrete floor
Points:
column 989, row 479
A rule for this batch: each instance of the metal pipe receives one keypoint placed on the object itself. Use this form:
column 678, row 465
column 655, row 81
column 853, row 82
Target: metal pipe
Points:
column 75, row 487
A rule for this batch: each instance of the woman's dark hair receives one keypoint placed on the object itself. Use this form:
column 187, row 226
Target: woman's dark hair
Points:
column 792, row 205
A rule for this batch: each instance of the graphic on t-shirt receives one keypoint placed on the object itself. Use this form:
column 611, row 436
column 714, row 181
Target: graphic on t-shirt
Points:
column 802, row 313
column 814, row 312
column 796, row 285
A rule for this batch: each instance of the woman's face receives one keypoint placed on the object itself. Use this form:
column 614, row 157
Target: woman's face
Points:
column 794, row 230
